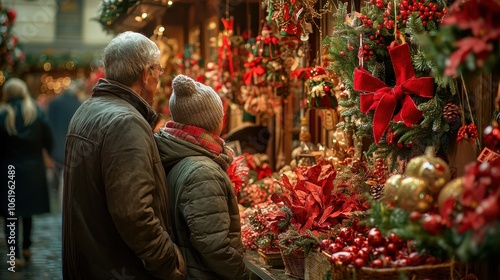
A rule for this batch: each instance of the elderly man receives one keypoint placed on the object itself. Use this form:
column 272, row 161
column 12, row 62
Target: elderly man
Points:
column 115, row 214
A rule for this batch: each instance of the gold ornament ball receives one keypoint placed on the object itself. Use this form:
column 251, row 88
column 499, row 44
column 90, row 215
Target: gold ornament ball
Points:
column 414, row 195
column 413, row 166
column 432, row 169
column 390, row 192
column 454, row 189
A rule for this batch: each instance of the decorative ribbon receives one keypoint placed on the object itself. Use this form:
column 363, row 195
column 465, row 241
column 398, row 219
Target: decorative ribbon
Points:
column 225, row 49
column 255, row 70
column 383, row 100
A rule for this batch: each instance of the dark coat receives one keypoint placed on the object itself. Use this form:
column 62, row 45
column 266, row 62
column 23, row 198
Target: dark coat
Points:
column 206, row 214
column 115, row 214
column 59, row 113
column 24, row 151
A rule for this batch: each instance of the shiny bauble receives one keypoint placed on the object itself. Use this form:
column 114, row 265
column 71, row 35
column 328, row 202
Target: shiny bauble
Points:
column 390, row 192
column 491, row 135
column 432, row 223
column 430, row 168
column 454, row 189
column 413, row 194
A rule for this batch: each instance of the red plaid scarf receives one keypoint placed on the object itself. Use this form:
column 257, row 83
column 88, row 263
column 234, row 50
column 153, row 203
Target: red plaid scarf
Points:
column 198, row 136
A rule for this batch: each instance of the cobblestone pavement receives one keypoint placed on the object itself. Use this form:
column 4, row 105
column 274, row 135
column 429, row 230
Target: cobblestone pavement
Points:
column 46, row 248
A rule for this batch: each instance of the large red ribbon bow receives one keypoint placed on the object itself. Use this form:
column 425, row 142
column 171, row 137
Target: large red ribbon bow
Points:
column 384, row 100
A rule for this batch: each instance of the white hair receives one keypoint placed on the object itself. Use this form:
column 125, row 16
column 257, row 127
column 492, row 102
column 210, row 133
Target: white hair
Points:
column 127, row 55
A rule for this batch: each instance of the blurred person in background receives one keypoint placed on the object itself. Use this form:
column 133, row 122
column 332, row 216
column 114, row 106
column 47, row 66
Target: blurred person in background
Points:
column 24, row 135
column 202, row 199
column 59, row 112
column 116, row 223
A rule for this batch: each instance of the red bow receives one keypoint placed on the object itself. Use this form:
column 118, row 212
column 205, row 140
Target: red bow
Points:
column 383, row 99
column 255, row 69
column 225, row 51
column 228, row 23
column 308, row 72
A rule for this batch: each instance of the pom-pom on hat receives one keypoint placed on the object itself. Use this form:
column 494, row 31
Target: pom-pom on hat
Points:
column 193, row 103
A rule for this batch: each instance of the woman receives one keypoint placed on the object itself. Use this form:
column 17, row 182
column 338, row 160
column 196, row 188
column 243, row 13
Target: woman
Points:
column 202, row 201
column 24, row 134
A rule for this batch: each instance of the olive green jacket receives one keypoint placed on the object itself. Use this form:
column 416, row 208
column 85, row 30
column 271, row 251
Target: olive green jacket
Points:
column 205, row 210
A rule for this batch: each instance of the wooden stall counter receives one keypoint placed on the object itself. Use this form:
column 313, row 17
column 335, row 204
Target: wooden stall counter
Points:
column 260, row 270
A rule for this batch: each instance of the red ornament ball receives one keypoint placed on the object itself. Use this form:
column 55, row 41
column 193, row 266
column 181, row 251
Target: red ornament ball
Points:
column 432, row 224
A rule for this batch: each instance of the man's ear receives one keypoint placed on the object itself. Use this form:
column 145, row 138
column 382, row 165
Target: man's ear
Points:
column 145, row 75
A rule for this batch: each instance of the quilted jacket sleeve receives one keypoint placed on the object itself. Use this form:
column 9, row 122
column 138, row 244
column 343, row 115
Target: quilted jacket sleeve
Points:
column 204, row 202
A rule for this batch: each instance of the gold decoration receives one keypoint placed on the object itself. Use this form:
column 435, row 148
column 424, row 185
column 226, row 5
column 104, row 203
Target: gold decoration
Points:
column 391, row 188
column 414, row 195
column 431, row 169
column 452, row 189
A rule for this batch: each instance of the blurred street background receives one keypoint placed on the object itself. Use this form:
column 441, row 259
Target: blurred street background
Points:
column 46, row 248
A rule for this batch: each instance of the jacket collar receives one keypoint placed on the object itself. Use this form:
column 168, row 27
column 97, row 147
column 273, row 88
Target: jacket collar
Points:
column 124, row 92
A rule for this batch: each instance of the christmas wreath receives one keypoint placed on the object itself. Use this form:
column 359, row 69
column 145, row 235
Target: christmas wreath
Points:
column 388, row 91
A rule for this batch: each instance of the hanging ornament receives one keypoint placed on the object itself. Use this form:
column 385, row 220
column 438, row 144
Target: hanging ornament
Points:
column 225, row 51
column 492, row 137
column 319, row 86
column 266, row 43
column 452, row 189
column 419, row 186
column 430, row 168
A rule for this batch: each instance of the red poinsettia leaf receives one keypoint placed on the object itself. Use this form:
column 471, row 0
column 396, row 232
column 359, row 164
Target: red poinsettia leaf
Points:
column 328, row 190
column 312, row 173
column 273, row 215
column 307, row 226
column 316, row 192
column 327, row 172
column 300, row 197
column 446, row 211
column 466, row 222
column 326, row 214
column 299, row 171
column 312, row 207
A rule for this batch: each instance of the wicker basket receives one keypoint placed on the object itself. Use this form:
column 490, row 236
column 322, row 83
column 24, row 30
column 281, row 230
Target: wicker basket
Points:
column 294, row 263
column 272, row 259
column 318, row 267
column 444, row 271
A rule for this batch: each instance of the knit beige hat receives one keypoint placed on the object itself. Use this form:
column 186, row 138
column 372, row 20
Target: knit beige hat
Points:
column 195, row 104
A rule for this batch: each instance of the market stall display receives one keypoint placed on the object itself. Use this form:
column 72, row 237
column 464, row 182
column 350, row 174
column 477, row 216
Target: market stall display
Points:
column 374, row 188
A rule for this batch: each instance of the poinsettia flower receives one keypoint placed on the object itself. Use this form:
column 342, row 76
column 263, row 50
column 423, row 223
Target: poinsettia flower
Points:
column 446, row 211
column 238, row 173
column 465, row 46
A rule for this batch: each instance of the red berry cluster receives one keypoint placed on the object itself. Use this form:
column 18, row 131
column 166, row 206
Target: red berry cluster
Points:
column 367, row 22
column 367, row 52
column 379, row 175
column 379, row 40
column 378, row 3
column 389, row 23
column 467, row 132
column 361, row 249
column 426, row 12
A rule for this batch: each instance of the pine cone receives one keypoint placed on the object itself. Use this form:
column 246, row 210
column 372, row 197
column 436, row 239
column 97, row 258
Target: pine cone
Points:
column 376, row 191
column 451, row 113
